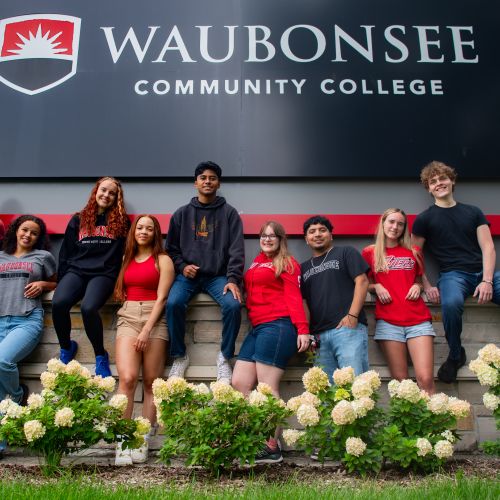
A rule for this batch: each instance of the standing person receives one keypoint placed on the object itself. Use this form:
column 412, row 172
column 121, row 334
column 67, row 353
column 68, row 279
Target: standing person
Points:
column 205, row 241
column 403, row 320
column 459, row 238
column 89, row 262
column 279, row 324
column 143, row 284
column 334, row 286
column 27, row 270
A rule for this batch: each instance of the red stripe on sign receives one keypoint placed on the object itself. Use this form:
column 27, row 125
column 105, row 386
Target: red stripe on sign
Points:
column 344, row 224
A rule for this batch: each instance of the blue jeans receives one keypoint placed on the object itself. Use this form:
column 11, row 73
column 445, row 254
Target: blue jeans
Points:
column 341, row 347
column 182, row 292
column 454, row 288
column 19, row 335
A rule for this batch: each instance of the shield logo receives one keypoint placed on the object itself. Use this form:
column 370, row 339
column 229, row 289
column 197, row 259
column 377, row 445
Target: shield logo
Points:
column 39, row 51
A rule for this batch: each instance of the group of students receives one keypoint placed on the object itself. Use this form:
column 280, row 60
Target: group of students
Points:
column 291, row 307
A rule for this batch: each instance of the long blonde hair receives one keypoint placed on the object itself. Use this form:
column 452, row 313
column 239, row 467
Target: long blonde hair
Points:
column 379, row 253
column 282, row 261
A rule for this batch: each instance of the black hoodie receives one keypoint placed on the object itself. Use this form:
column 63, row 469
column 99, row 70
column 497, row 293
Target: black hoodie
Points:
column 209, row 236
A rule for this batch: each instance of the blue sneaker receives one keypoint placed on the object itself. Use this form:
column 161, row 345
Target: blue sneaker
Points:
column 66, row 355
column 102, row 365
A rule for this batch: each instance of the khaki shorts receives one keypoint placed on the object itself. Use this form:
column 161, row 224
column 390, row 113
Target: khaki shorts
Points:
column 132, row 317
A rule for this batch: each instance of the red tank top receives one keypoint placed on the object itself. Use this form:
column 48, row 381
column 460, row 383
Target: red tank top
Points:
column 141, row 280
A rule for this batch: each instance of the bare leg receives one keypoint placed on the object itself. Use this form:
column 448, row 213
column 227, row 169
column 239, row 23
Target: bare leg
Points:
column 396, row 355
column 422, row 356
column 244, row 376
column 153, row 365
column 128, row 362
column 271, row 375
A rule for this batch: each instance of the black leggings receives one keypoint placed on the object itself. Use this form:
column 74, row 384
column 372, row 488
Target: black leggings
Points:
column 93, row 292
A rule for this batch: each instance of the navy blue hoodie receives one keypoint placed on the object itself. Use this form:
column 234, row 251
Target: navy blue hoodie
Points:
column 209, row 236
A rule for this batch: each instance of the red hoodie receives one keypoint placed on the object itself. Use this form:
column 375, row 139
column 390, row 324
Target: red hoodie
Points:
column 270, row 298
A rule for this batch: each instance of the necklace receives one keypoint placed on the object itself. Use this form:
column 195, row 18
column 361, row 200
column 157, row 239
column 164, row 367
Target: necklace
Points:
column 323, row 261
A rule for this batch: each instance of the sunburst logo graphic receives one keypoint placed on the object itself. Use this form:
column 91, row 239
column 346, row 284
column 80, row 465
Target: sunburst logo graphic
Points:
column 38, row 44
column 38, row 52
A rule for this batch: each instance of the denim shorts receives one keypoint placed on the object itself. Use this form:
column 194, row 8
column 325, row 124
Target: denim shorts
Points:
column 387, row 331
column 272, row 343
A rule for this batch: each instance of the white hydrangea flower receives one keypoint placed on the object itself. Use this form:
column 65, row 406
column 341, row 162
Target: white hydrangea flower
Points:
column 33, row 430
column 458, row 407
column 256, row 398
column 409, row 390
column 14, row 410
column 201, row 389
column 307, row 415
column 5, row 404
column 392, row 387
column 224, row 393
column 48, row 380
column 165, row 389
column 491, row 401
column 373, row 378
column 361, row 388
column 265, row 389
column 443, row 449
column 102, row 428
column 438, row 404
column 490, row 353
column 488, row 376
column 64, row 417
column 85, row 372
column 476, row 365
column 119, row 401
column 55, row 365
column 73, row 367
column 107, row 384
column 448, row 435
column 143, row 425
column 35, row 401
column 343, row 376
column 310, row 399
column 343, row 413
column 424, row 447
column 355, row 446
column 362, row 406
column 294, row 403
column 315, row 380
column 291, row 436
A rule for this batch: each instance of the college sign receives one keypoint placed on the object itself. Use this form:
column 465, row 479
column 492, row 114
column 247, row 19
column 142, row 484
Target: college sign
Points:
column 268, row 89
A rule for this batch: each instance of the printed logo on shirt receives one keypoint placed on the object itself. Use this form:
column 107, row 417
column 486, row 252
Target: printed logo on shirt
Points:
column 101, row 231
column 399, row 263
column 261, row 264
column 331, row 264
column 16, row 266
column 203, row 229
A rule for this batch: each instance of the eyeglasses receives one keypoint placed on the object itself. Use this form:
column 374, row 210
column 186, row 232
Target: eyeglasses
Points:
column 270, row 237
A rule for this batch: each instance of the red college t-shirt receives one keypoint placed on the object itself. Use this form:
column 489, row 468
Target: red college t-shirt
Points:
column 403, row 269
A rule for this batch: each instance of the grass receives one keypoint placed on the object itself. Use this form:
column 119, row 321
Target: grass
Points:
column 68, row 488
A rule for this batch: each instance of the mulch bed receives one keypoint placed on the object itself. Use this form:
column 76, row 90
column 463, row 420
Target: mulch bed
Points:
column 155, row 475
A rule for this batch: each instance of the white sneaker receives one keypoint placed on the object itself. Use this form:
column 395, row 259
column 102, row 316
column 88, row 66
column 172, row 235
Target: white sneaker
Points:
column 224, row 370
column 179, row 366
column 140, row 455
column 123, row 456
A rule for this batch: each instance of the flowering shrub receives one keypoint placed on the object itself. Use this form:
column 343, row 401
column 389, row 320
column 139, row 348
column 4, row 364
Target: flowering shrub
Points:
column 341, row 420
column 71, row 413
column 213, row 429
column 487, row 368
column 418, row 431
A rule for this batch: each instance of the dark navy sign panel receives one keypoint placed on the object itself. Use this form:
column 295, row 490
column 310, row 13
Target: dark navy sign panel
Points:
column 282, row 88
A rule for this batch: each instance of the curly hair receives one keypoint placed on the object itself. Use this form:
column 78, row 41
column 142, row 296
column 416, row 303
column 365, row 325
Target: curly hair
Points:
column 131, row 252
column 117, row 219
column 10, row 239
column 436, row 168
